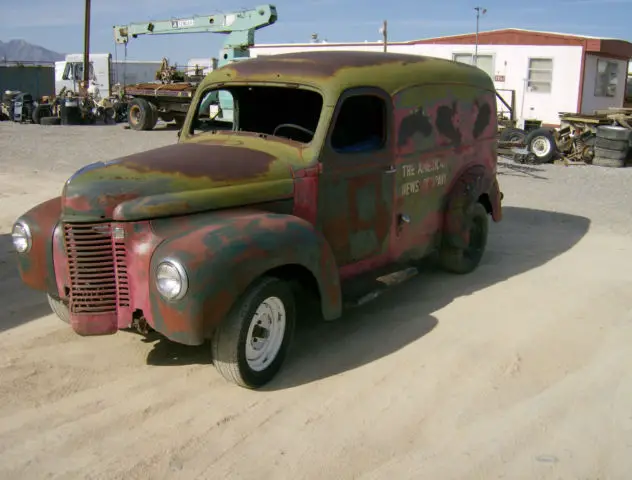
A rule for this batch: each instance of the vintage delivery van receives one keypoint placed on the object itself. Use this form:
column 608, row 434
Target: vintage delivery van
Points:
column 336, row 166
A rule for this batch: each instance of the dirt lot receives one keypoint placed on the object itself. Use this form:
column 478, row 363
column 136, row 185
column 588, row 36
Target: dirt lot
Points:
column 520, row 370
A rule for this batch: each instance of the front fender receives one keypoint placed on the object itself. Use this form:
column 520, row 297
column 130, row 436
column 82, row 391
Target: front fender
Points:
column 36, row 266
column 223, row 252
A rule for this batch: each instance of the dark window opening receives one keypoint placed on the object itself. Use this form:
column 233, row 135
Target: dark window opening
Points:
column 287, row 112
column 361, row 125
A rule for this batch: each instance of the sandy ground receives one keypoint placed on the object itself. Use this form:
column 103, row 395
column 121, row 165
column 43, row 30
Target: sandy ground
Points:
column 520, row 370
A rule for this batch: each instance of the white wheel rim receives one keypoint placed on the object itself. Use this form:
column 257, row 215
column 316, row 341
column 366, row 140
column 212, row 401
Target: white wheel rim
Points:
column 265, row 334
column 541, row 146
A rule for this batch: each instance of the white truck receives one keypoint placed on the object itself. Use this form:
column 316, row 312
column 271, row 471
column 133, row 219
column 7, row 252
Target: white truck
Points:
column 104, row 73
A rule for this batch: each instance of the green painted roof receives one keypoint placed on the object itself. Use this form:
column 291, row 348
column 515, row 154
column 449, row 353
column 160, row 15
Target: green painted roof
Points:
column 333, row 71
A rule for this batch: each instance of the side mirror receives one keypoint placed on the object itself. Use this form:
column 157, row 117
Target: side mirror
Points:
column 179, row 133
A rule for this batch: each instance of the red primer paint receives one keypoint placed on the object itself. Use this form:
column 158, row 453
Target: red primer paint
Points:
column 140, row 243
column 103, row 324
column 306, row 194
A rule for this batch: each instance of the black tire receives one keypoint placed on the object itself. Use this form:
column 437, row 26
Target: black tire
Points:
column 614, row 132
column 465, row 260
column 70, row 115
column 541, row 143
column 59, row 308
column 229, row 340
column 27, row 112
column 50, row 121
column 609, row 162
column 613, row 154
column 154, row 113
column 620, row 145
column 41, row 111
column 512, row 135
column 141, row 114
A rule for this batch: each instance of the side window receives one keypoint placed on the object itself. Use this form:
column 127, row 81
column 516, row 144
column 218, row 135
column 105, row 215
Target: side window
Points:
column 361, row 125
column 68, row 71
column 214, row 112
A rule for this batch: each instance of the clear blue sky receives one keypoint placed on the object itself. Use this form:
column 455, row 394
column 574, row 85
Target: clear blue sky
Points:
column 58, row 24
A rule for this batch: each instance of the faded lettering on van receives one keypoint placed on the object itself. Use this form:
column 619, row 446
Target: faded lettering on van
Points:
column 423, row 176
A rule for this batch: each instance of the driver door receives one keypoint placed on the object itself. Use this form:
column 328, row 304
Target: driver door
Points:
column 355, row 200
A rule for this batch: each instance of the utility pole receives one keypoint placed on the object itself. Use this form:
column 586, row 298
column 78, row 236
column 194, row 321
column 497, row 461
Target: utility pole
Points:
column 384, row 32
column 86, row 48
column 479, row 11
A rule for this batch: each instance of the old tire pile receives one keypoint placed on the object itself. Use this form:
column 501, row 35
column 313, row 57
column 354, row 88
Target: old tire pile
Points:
column 40, row 112
column 612, row 146
column 50, row 121
column 70, row 115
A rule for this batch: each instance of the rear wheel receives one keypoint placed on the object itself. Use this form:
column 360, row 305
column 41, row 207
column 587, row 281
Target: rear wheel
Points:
column 465, row 260
column 141, row 114
column 250, row 345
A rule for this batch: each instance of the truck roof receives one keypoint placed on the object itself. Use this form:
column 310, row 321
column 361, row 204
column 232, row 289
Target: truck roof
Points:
column 337, row 70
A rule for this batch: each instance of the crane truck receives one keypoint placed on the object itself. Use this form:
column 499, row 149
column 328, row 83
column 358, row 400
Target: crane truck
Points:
column 170, row 101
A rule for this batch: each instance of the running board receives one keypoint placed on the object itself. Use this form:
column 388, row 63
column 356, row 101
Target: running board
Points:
column 381, row 285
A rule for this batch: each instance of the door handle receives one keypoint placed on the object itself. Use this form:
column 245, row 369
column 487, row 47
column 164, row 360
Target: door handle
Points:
column 391, row 169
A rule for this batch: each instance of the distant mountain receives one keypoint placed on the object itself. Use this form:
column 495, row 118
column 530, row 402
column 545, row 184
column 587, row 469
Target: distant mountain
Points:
column 22, row 51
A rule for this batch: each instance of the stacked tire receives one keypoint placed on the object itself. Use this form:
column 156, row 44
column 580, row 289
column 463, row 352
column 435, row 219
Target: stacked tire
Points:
column 612, row 146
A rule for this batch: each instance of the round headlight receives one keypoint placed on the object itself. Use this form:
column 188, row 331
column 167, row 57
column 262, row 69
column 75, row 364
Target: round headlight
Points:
column 21, row 236
column 171, row 280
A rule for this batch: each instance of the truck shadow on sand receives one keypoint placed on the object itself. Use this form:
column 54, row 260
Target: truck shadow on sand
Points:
column 524, row 240
column 19, row 303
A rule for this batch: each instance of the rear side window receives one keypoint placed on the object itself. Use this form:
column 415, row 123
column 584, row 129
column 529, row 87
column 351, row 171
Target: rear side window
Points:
column 361, row 125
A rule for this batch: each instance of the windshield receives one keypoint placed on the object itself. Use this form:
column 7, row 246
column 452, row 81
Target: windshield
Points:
column 285, row 111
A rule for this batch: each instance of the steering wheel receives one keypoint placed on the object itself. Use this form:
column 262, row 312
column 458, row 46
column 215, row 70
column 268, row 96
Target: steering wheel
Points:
column 293, row 125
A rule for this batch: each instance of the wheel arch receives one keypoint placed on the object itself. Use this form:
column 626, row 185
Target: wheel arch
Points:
column 224, row 257
column 474, row 184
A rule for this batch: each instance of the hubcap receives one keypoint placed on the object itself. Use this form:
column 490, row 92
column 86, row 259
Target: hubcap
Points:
column 134, row 114
column 265, row 334
column 541, row 146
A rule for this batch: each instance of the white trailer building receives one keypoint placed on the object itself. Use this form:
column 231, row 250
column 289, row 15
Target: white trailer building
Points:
column 546, row 73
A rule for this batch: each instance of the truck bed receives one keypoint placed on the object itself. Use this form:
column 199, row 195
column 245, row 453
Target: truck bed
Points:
column 178, row 90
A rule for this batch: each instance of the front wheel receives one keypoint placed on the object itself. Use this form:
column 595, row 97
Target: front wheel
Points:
column 59, row 308
column 250, row 346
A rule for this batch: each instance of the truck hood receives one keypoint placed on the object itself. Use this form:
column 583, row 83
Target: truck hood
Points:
column 180, row 179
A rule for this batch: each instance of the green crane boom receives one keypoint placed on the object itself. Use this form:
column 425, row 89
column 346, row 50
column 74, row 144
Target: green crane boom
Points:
column 239, row 27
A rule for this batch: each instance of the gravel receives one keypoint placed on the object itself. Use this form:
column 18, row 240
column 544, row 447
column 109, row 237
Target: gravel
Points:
column 64, row 149
column 518, row 370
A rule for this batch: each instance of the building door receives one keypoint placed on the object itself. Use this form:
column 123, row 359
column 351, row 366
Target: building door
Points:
column 355, row 194
column 538, row 89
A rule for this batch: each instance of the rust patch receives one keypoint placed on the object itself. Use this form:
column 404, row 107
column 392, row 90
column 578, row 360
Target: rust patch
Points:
column 219, row 162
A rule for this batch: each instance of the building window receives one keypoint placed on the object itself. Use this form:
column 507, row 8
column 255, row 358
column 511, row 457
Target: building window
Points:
column 540, row 77
column 485, row 62
column 607, row 78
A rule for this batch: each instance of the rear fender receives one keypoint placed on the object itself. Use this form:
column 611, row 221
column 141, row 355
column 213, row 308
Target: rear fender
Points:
column 223, row 253
column 470, row 185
